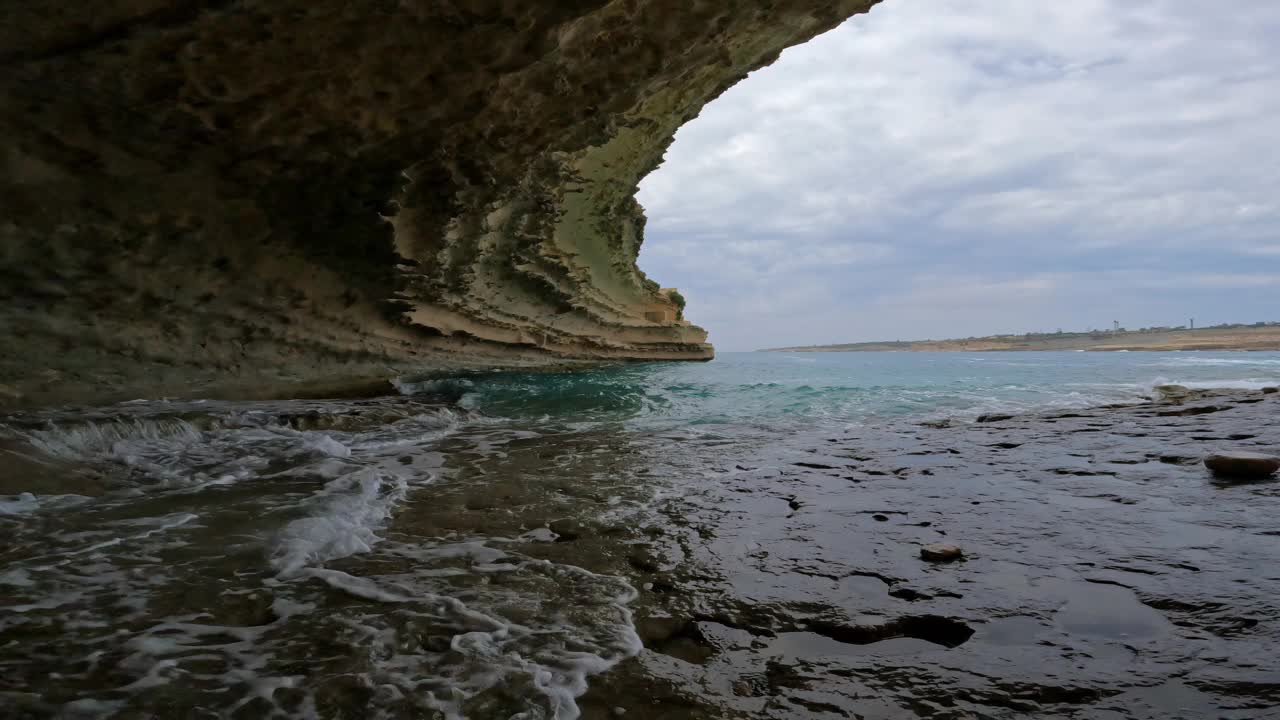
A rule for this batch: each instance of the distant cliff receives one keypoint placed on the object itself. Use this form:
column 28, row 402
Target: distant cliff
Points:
column 1240, row 337
column 225, row 198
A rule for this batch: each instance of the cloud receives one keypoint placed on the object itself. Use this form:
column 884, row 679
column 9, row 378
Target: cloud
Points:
column 974, row 146
column 930, row 291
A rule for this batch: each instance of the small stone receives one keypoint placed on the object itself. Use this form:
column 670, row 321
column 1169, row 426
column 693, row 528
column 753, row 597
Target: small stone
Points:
column 566, row 528
column 1242, row 465
column 941, row 553
column 880, row 518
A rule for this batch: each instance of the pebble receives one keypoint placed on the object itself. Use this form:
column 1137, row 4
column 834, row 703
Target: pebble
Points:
column 939, row 552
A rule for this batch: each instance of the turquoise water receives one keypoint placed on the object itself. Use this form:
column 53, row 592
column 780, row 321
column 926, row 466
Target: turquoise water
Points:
column 844, row 388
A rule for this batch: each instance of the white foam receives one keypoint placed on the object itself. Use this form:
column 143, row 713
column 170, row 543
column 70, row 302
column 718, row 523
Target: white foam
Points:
column 357, row 586
column 542, row 631
column 418, row 387
column 1218, row 361
column 95, row 440
column 168, row 522
column 19, row 504
column 1241, row 384
column 325, row 445
column 1251, row 384
column 419, row 429
column 25, row 502
column 346, row 515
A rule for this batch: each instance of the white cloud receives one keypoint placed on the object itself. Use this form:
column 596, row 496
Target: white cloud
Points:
column 932, row 291
column 973, row 139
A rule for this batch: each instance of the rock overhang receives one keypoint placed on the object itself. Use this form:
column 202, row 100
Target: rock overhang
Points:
column 261, row 199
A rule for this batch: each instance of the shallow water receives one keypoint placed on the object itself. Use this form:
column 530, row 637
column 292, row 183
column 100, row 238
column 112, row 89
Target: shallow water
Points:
column 809, row 390
column 391, row 557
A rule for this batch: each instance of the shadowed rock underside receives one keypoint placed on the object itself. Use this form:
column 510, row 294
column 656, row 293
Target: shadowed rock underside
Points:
column 253, row 198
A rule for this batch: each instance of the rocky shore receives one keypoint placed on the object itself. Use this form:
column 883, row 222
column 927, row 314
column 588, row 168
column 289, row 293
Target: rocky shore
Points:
column 392, row 557
column 1106, row 572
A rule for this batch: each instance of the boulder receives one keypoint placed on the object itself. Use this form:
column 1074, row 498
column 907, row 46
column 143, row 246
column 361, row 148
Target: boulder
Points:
column 1242, row 465
column 939, row 552
column 1270, row 390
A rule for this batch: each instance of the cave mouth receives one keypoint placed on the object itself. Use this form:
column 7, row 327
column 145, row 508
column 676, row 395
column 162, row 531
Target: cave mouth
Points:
column 202, row 202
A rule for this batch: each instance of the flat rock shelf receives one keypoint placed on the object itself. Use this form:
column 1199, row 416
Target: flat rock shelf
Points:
column 1107, row 573
column 704, row 571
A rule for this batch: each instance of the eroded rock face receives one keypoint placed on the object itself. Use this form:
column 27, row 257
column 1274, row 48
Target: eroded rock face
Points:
column 239, row 198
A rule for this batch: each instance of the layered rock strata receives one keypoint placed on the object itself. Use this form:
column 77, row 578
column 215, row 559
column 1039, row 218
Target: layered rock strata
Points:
column 250, row 198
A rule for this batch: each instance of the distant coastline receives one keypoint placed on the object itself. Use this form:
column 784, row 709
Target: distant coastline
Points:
column 1220, row 337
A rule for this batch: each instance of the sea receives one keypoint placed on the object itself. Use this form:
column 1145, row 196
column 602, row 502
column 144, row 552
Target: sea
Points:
column 397, row 556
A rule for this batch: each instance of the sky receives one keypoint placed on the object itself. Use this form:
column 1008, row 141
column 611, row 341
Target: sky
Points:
column 949, row 168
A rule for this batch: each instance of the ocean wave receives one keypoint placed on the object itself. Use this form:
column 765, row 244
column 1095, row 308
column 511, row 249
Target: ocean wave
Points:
column 542, row 646
column 26, row 502
column 342, row 520
column 1248, row 384
column 448, row 387
column 1219, row 361
column 95, row 440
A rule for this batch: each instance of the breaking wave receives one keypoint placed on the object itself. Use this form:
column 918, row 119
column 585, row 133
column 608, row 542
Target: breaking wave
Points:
column 284, row 516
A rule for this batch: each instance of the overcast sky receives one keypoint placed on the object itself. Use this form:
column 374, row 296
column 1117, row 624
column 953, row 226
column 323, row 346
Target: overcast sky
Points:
column 944, row 168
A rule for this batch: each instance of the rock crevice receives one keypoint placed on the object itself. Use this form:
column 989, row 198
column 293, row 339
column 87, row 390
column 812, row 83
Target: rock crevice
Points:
column 249, row 198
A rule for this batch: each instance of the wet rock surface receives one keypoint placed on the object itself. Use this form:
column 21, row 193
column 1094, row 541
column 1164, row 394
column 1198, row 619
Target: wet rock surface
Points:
column 769, row 573
column 1110, row 583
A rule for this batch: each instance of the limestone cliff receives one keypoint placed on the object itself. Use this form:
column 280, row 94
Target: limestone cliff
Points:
column 253, row 197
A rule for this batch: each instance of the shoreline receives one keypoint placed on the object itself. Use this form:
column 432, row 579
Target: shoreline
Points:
column 1022, row 349
column 760, row 571
column 1240, row 339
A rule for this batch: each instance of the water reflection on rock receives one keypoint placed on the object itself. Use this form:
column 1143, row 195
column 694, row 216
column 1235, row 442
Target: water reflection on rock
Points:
column 400, row 559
